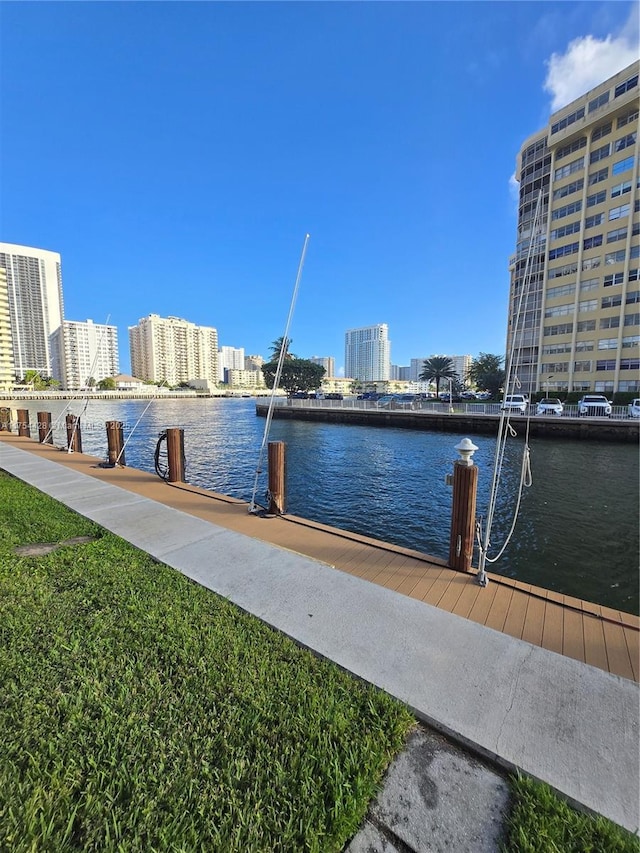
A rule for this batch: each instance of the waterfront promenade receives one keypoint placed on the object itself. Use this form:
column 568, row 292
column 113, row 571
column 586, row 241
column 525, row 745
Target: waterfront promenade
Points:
column 489, row 679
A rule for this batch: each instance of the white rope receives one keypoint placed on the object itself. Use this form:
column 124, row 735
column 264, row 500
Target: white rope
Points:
column 505, row 429
column 276, row 379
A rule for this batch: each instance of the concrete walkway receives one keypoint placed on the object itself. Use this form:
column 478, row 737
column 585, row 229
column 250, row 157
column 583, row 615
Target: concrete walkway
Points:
column 569, row 724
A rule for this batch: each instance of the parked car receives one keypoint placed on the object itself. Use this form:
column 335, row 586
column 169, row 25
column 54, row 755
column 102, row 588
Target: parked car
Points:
column 468, row 395
column 594, row 404
column 634, row 408
column 386, row 401
column 550, row 406
column 483, row 395
column 334, row 396
column 515, row 402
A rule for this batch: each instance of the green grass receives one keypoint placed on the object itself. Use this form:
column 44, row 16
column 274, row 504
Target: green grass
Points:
column 540, row 822
column 140, row 712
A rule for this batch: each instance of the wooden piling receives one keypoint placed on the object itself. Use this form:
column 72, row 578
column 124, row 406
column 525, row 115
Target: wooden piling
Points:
column 74, row 437
column 45, row 433
column 175, row 454
column 5, row 419
column 115, row 443
column 23, row 423
column 277, row 477
column 463, row 517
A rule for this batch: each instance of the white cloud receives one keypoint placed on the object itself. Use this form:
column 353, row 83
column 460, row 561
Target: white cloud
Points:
column 588, row 61
column 514, row 187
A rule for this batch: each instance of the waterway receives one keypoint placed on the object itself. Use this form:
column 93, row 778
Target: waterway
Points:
column 577, row 531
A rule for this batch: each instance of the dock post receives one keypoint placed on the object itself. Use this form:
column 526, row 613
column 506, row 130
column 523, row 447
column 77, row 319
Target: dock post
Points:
column 277, row 478
column 5, row 419
column 463, row 516
column 23, row 423
column 175, row 454
column 115, row 443
column 45, row 433
column 74, row 437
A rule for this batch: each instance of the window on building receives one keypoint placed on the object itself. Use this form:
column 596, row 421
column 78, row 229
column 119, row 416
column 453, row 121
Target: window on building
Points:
column 568, row 169
column 576, row 145
column 614, row 257
column 601, row 131
column 588, row 305
column 590, row 263
column 584, row 346
column 589, row 284
column 631, row 385
column 608, row 343
column 586, row 326
column 573, row 187
column 562, row 251
column 593, row 221
column 632, row 320
column 556, row 367
column 568, row 120
column 624, row 142
column 600, row 153
column 562, row 290
column 566, row 269
column 626, row 86
column 556, row 349
column 611, row 301
column 582, row 366
column 597, row 177
column 633, row 296
column 620, row 189
column 567, row 210
column 630, row 364
column 622, row 166
column 600, row 101
column 631, row 341
column 635, row 251
column 559, row 310
column 632, row 115
column 633, row 275
column 593, row 242
column 602, row 387
column 561, row 329
column 618, row 234
column 596, row 198
column 610, row 322
column 613, row 279
column 565, row 230
column 606, row 364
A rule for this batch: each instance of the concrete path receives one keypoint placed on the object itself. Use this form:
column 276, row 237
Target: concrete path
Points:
column 569, row 724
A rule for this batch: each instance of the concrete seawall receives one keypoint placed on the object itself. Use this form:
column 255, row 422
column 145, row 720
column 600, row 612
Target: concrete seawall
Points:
column 591, row 429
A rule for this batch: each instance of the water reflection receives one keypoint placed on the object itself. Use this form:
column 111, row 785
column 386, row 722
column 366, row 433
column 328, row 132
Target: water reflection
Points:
column 578, row 526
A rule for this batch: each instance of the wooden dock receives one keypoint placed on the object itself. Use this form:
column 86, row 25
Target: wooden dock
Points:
column 597, row 635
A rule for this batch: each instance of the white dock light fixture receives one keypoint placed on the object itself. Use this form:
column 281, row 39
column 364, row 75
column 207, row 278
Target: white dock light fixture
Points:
column 466, row 448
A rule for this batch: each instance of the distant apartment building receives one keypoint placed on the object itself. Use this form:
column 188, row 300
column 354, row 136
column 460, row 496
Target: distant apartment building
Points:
column 244, row 378
column 328, row 362
column 574, row 300
column 34, row 292
column 173, row 350
column 229, row 358
column 367, row 353
column 253, row 362
column 461, row 364
column 7, row 368
column 87, row 351
column 399, row 373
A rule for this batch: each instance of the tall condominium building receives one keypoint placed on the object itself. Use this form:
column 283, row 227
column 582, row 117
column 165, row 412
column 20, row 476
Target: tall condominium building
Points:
column 7, row 369
column 367, row 353
column 328, row 362
column 461, row 364
column 574, row 276
column 86, row 351
column 229, row 358
column 34, row 290
column 173, row 350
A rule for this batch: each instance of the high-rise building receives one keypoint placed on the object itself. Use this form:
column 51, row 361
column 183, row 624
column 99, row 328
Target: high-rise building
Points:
column 86, row 351
column 367, row 353
column 574, row 275
column 229, row 358
column 172, row 350
column 253, row 362
column 7, row 369
column 34, row 290
column 328, row 362
column 461, row 365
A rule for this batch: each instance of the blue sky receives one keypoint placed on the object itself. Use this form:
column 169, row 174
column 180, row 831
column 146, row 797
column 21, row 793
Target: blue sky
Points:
column 176, row 154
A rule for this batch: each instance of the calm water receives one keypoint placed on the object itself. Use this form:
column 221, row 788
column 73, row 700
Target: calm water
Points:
column 577, row 533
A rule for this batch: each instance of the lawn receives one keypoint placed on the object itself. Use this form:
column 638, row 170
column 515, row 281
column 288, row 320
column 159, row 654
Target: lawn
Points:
column 141, row 712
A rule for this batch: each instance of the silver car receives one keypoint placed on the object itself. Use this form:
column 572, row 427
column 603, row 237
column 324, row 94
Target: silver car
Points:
column 550, row 406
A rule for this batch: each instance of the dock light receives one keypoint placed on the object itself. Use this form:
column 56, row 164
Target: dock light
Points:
column 466, row 449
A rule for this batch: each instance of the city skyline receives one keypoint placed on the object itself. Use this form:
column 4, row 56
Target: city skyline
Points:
column 183, row 169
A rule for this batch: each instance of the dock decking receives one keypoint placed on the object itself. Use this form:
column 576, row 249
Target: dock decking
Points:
column 597, row 635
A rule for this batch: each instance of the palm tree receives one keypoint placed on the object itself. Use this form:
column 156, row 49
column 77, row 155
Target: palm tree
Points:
column 277, row 346
column 438, row 367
